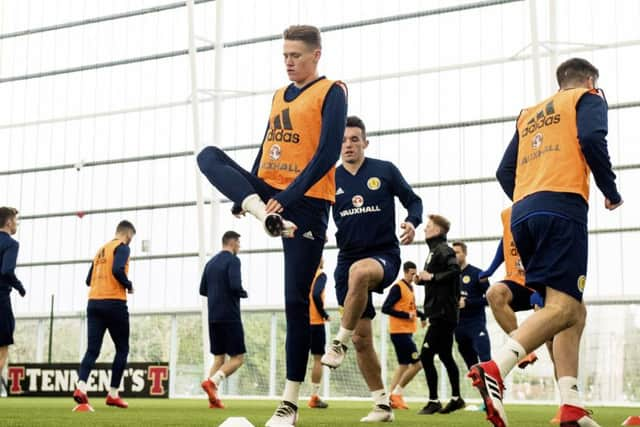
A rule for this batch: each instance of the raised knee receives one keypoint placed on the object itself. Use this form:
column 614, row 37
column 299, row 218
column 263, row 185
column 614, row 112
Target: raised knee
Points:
column 206, row 156
column 498, row 294
column 360, row 276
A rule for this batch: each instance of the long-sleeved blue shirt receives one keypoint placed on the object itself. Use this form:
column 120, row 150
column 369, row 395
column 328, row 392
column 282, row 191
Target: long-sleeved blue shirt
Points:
column 592, row 123
column 474, row 292
column 221, row 283
column 318, row 288
column 120, row 257
column 364, row 211
column 498, row 259
column 334, row 119
column 8, row 257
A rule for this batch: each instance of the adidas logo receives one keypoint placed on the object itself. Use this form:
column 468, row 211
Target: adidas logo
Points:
column 544, row 117
column 281, row 129
column 482, row 334
column 308, row 235
column 340, row 191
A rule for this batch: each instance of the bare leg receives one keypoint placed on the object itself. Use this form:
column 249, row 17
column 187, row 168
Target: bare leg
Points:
column 499, row 297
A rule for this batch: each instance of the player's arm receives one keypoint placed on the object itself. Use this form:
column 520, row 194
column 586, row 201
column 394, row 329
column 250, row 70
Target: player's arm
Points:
column 450, row 268
column 318, row 288
column 8, row 267
column 411, row 201
column 392, row 298
column 120, row 257
column 235, row 278
column 592, row 124
column 204, row 289
column 334, row 120
column 422, row 315
column 506, row 172
column 498, row 259
column 87, row 281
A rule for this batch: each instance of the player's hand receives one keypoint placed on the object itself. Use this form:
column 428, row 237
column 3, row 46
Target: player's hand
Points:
column 273, row 206
column 612, row 206
column 408, row 234
column 462, row 303
column 423, row 323
column 328, row 318
column 130, row 291
column 22, row 291
column 425, row 276
column 412, row 315
column 484, row 279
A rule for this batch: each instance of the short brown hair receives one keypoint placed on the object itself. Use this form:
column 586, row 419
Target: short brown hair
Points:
column 7, row 213
column 229, row 236
column 356, row 122
column 308, row 34
column 125, row 226
column 441, row 222
column 462, row 245
column 575, row 70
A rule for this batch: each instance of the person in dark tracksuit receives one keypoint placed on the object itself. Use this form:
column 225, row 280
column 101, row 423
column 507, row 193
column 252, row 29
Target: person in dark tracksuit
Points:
column 317, row 317
column 441, row 281
column 107, row 311
column 291, row 188
column 221, row 284
column 471, row 334
column 8, row 281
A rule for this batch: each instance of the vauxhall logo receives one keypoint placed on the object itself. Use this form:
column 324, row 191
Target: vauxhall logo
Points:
column 544, row 117
column 281, row 130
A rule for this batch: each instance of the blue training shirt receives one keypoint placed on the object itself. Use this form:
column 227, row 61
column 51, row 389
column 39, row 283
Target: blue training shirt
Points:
column 221, row 283
column 8, row 257
column 364, row 211
column 475, row 291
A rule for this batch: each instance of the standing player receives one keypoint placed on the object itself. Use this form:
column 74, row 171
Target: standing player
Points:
column 400, row 306
column 294, row 174
column 441, row 281
column 545, row 171
column 369, row 253
column 107, row 311
column 222, row 285
column 509, row 295
column 8, row 280
column 471, row 334
column 317, row 316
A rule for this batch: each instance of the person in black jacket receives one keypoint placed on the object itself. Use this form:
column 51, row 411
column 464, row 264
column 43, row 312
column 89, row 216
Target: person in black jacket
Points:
column 441, row 281
column 222, row 285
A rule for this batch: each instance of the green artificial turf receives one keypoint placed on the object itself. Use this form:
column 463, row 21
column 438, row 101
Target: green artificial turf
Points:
column 190, row 412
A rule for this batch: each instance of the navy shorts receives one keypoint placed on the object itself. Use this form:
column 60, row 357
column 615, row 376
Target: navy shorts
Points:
column 7, row 322
column 390, row 263
column 318, row 339
column 406, row 350
column 554, row 253
column 226, row 338
column 521, row 296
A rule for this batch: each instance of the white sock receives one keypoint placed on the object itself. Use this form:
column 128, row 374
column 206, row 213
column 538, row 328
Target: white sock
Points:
column 507, row 357
column 291, row 391
column 255, row 206
column 455, row 397
column 113, row 392
column 82, row 386
column 380, row 397
column 569, row 391
column 217, row 378
column 315, row 388
column 398, row 390
column 344, row 336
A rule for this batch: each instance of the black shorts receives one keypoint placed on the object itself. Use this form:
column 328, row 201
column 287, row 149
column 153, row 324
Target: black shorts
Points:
column 406, row 350
column 226, row 338
column 318, row 339
column 390, row 262
column 7, row 322
column 521, row 296
column 554, row 251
